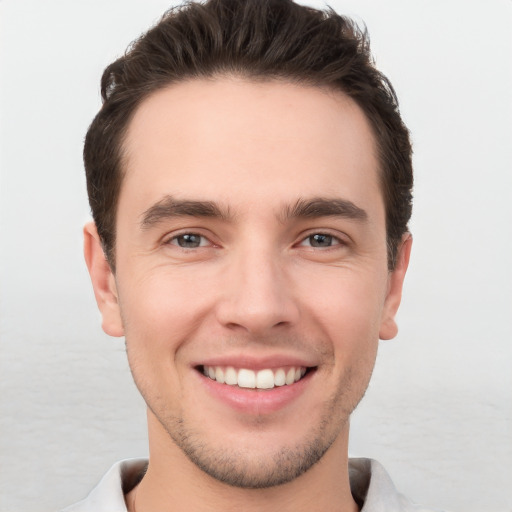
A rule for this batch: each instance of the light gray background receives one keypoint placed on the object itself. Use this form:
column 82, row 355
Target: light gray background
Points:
column 438, row 413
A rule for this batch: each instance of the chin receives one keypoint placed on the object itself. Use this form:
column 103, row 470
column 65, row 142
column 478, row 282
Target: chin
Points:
column 254, row 463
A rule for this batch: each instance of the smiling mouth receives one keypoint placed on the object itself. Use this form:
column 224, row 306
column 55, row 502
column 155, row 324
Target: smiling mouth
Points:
column 250, row 379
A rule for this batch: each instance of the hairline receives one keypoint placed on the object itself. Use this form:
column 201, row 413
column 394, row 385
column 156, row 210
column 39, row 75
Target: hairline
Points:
column 250, row 77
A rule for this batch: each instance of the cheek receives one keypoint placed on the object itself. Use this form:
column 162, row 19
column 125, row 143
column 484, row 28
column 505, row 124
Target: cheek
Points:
column 168, row 291
column 158, row 321
column 347, row 305
column 161, row 312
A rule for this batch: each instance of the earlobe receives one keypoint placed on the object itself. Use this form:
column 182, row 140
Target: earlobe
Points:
column 388, row 327
column 103, row 282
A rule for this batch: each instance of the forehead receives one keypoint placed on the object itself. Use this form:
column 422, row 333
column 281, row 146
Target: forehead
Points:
column 234, row 140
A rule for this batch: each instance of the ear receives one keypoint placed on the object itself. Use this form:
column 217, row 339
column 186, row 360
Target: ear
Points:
column 103, row 282
column 388, row 327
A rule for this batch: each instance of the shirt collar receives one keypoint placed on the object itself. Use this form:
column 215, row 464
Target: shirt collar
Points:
column 370, row 484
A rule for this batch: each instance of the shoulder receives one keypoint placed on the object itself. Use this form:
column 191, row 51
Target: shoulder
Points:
column 108, row 495
column 373, row 488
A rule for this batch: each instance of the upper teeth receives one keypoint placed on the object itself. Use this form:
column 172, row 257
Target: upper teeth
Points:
column 262, row 379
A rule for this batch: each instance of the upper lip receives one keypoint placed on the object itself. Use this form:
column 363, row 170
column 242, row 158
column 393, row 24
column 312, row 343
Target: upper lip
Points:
column 256, row 363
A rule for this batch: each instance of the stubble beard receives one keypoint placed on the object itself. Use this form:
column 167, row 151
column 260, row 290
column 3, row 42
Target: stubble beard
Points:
column 238, row 469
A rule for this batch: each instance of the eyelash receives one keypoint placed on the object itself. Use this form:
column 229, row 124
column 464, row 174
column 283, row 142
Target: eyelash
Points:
column 174, row 240
column 335, row 241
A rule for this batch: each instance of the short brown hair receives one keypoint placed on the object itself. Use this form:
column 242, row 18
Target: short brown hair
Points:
column 257, row 39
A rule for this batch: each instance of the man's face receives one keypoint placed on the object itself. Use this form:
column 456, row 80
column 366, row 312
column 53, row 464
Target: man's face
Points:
column 251, row 247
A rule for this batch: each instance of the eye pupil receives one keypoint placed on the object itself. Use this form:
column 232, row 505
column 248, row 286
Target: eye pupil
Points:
column 189, row 240
column 320, row 240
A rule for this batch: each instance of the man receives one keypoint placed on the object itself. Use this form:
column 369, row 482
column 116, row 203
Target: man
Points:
column 250, row 181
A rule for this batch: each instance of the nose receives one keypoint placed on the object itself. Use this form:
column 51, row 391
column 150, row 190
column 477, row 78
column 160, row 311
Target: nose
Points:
column 258, row 294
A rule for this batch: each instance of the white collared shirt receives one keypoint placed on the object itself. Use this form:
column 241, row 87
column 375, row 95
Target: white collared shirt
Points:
column 369, row 482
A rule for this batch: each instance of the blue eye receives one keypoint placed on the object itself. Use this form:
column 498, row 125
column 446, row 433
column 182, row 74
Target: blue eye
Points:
column 321, row 240
column 189, row 241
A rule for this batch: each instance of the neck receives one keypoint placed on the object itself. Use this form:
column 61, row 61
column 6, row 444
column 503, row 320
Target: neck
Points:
column 173, row 482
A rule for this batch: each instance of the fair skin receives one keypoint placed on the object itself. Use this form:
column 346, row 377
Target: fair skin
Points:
column 250, row 236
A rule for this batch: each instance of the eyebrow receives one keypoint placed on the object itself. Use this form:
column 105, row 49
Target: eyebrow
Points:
column 324, row 207
column 170, row 207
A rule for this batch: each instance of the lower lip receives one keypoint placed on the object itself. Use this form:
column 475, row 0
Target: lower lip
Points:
column 256, row 401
